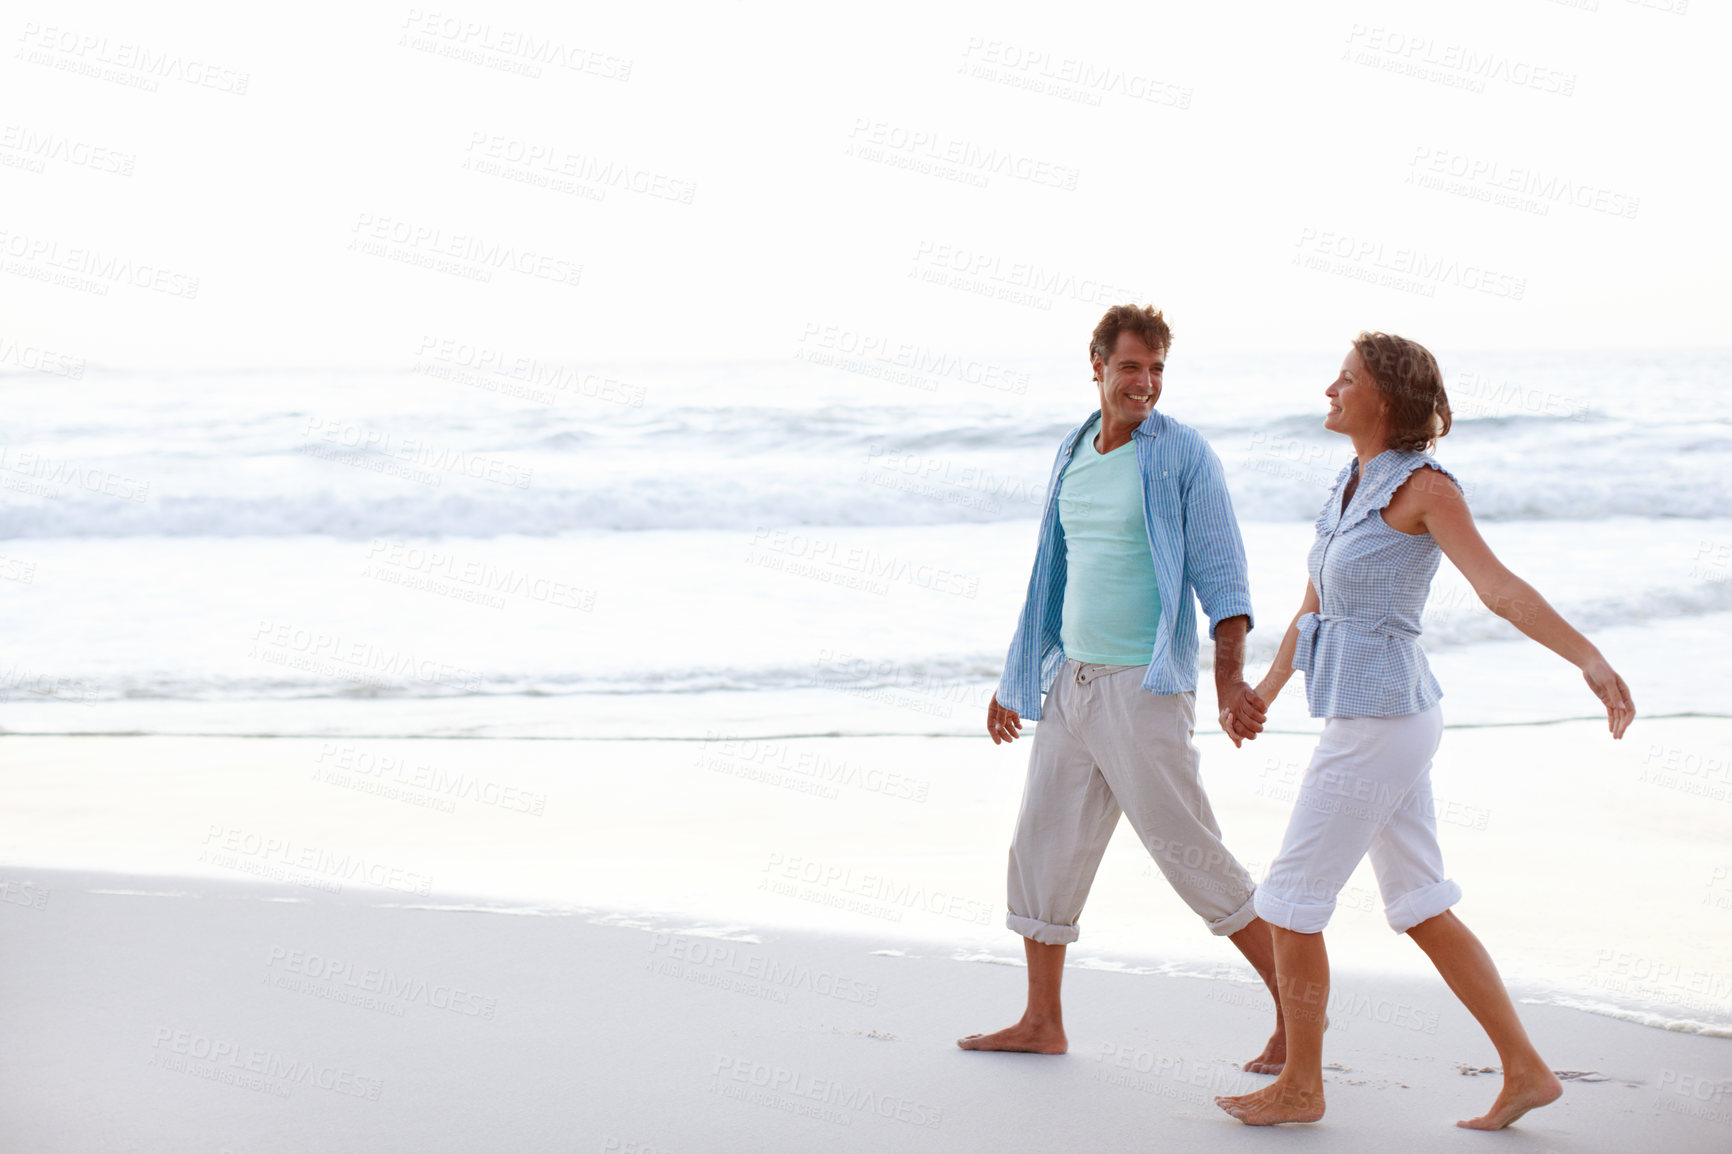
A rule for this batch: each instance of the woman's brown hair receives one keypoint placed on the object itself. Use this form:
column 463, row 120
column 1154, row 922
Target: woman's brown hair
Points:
column 1408, row 378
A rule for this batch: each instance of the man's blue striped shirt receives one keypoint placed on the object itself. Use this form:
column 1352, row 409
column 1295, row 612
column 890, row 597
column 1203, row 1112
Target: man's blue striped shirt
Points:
column 1193, row 538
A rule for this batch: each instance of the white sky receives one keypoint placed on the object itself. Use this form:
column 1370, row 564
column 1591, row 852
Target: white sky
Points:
column 1288, row 137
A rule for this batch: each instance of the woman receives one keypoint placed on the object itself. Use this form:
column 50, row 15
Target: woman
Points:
column 1368, row 789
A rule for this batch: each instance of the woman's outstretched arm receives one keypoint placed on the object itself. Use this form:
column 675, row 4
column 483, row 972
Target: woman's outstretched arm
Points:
column 1282, row 667
column 1443, row 511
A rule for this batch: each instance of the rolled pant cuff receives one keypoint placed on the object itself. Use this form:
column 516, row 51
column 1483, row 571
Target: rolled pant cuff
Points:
column 1301, row 918
column 1044, row 932
column 1422, row 905
column 1237, row 920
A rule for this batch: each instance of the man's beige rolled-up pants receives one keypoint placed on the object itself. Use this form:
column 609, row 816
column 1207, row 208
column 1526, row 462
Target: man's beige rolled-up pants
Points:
column 1104, row 745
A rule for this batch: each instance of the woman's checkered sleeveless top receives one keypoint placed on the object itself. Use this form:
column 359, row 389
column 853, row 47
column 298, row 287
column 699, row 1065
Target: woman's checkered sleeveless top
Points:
column 1360, row 652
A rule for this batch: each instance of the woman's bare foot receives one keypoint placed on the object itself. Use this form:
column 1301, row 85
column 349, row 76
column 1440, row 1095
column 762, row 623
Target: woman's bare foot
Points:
column 1022, row 1038
column 1273, row 1057
column 1518, row 1096
column 1275, row 1104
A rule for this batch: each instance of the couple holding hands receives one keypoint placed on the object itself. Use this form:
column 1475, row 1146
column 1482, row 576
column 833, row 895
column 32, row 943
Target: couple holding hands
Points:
column 1138, row 526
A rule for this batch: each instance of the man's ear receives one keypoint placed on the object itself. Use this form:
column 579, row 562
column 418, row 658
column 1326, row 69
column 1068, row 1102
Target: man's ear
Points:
column 1099, row 366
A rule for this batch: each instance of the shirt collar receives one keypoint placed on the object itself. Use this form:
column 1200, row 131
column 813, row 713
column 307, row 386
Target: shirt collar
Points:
column 1153, row 426
column 1376, row 463
column 1077, row 433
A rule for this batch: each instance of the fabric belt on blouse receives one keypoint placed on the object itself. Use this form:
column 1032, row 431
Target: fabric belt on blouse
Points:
column 1310, row 622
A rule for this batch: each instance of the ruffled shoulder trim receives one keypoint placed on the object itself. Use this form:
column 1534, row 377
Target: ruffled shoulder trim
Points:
column 1334, row 500
column 1388, row 472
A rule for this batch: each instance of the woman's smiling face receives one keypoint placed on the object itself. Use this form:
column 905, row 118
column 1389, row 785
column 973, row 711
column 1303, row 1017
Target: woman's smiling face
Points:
column 1356, row 406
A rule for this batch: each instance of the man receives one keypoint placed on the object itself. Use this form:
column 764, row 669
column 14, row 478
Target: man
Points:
column 1137, row 518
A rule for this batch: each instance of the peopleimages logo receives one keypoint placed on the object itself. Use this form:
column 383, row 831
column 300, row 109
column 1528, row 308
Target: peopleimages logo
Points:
column 174, row 1048
column 929, row 150
column 1457, row 65
column 414, row 566
column 1512, row 185
column 1398, row 266
column 803, row 549
column 1065, row 77
column 415, row 453
column 283, row 963
column 283, row 643
column 1020, row 282
column 901, row 362
column 34, row 149
column 509, row 49
column 800, row 1087
column 784, row 874
column 545, row 164
column 498, row 370
column 467, row 254
column 37, row 359
column 90, row 270
column 223, row 844
column 53, row 474
column 123, row 62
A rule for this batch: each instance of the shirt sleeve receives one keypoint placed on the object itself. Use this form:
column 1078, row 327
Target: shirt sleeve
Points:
column 1031, row 655
column 1214, row 551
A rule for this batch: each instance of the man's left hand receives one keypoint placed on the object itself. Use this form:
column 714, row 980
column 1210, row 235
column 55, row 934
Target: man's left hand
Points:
column 1242, row 714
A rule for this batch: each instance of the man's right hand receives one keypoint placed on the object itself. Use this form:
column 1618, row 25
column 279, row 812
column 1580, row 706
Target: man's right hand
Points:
column 1003, row 724
column 1243, row 712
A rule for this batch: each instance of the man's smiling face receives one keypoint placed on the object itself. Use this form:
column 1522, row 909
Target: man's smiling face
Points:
column 1130, row 380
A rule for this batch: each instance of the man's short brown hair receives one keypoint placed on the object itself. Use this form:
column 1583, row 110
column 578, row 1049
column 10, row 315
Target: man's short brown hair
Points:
column 1408, row 378
column 1146, row 322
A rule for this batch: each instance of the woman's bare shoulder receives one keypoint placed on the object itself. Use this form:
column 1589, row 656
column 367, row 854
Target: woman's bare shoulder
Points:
column 1428, row 489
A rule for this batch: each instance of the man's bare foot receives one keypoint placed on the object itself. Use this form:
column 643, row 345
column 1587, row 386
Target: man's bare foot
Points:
column 1519, row 1095
column 1275, row 1104
column 1021, row 1038
column 1273, row 1057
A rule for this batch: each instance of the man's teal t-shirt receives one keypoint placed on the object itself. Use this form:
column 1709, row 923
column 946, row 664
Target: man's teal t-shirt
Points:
column 1112, row 606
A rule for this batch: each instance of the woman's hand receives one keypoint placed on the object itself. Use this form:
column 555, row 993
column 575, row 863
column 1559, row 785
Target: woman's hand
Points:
column 1270, row 688
column 1443, row 509
column 1612, row 692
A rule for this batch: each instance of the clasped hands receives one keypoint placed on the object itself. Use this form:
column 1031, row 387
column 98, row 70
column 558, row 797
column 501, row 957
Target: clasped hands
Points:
column 1243, row 712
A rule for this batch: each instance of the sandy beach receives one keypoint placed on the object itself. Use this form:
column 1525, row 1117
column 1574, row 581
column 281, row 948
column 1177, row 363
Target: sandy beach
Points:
column 231, row 1017
column 302, row 944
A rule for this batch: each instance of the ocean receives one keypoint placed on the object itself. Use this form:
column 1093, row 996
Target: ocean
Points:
column 545, row 550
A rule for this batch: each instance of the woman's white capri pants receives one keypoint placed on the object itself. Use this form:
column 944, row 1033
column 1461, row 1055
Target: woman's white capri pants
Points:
column 1367, row 789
